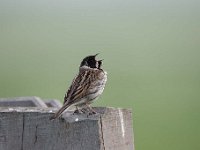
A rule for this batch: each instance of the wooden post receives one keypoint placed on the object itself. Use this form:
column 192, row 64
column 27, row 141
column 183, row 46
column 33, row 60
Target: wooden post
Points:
column 31, row 129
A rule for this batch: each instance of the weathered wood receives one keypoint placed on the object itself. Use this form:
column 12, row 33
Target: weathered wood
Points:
column 31, row 101
column 31, row 129
column 11, row 130
column 53, row 103
column 117, row 129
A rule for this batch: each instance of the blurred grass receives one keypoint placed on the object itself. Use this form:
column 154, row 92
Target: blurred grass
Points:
column 150, row 50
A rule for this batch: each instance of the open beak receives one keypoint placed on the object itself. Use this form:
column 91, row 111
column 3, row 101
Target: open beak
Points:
column 96, row 54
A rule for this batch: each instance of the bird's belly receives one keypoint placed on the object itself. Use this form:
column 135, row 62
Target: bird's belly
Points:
column 97, row 90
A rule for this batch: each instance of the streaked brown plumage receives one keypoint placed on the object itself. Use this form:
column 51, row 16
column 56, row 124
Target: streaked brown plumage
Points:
column 87, row 86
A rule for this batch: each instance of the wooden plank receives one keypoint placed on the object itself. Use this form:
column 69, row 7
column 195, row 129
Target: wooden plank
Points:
column 11, row 131
column 53, row 103
column 31, row 101
column 117, row 129
column 31, row 129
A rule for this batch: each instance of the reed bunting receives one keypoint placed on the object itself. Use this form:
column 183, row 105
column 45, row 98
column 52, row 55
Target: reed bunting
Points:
column 87, row 86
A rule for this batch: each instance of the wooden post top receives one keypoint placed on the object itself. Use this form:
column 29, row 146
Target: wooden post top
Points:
column 29, row 128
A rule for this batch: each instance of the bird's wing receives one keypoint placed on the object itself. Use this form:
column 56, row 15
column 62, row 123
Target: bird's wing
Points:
column 74, row 93
column 80, row 85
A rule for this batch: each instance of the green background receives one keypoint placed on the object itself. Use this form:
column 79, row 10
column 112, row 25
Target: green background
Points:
column 151, row 52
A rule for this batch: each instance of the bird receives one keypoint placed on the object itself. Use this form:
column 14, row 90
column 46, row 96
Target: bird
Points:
column 86, row 87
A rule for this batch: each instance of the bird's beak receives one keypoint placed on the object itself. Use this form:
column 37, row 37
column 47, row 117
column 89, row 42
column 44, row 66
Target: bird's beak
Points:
column 96, row 54
column 101, row 60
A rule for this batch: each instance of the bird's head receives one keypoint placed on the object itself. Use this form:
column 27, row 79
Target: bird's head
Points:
column 90, row 61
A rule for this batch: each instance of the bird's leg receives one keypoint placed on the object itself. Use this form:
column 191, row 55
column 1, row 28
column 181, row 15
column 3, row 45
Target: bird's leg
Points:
column 84, row 110
column 77, row 111
column 91, row 111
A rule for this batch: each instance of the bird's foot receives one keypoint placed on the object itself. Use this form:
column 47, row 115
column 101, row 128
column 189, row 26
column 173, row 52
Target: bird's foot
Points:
column 84, row 110
column 92, row 112
column 88, row 111
column 77, row 111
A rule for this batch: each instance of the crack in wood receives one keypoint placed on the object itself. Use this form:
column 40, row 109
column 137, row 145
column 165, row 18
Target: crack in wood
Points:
column 36, row 134
column 22, row 144
column 101, row 129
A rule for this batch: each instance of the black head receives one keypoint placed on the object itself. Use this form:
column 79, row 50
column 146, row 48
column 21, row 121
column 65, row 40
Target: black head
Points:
column 90, row 61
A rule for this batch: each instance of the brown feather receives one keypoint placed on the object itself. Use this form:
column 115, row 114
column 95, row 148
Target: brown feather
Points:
column 80, row 85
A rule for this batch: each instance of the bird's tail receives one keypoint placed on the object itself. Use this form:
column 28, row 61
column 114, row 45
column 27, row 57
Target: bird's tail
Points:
column 57, row 114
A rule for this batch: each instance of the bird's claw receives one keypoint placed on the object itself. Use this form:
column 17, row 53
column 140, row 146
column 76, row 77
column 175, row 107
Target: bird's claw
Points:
column 77, row 111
